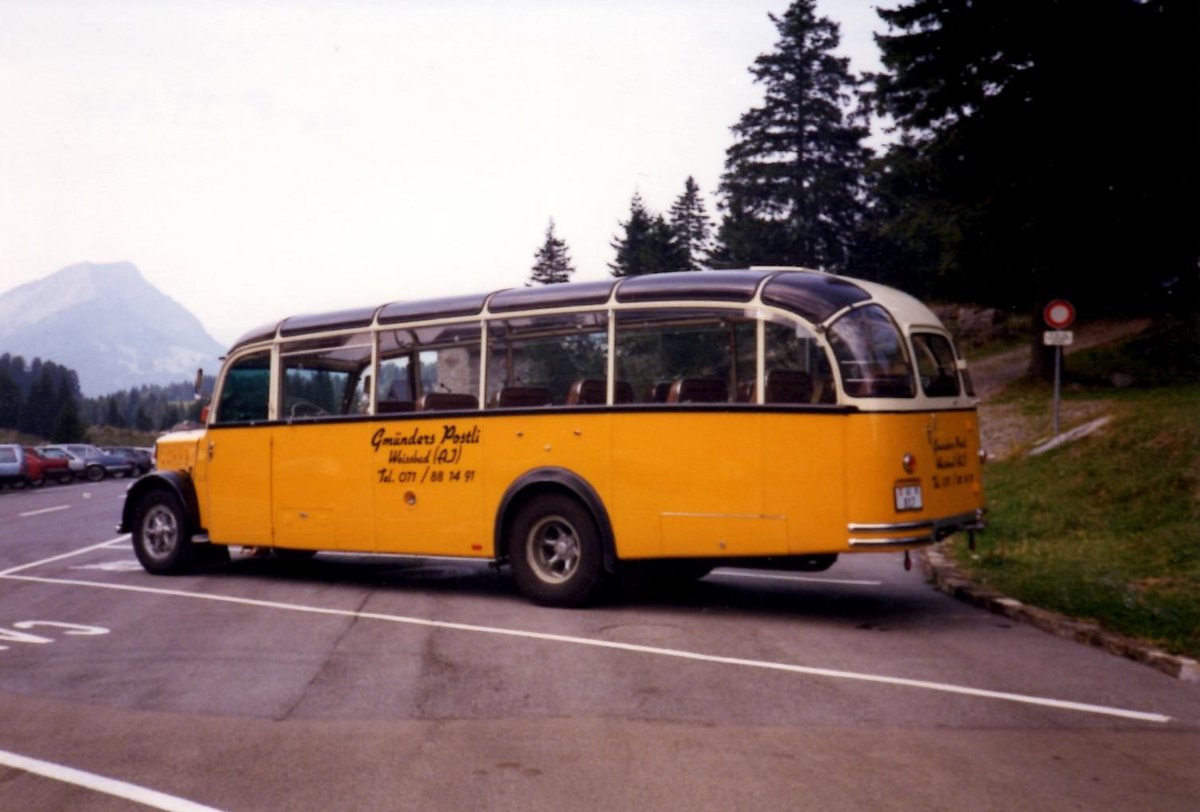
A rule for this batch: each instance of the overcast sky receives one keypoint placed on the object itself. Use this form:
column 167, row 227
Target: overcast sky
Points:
column 260, row 159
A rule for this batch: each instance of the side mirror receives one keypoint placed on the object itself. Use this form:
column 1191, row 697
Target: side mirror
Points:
column 198, row 386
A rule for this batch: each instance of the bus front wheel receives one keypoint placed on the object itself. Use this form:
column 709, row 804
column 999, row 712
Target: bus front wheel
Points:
column 555, row 551
column 161, row 540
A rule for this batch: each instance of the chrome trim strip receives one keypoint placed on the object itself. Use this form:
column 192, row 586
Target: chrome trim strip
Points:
column 887, row 528
column 965, row 521
column 937, row 530
column 905, row 541
column 722, row 515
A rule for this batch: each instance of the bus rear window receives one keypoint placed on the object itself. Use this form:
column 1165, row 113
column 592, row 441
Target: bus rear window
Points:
column 870, row 355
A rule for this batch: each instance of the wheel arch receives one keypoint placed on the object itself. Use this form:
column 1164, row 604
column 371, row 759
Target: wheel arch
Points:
column 175, row 482
column 547, row 480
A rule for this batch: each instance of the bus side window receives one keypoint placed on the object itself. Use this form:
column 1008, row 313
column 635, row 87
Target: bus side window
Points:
column 686, row 355
column 544, row 360
column 936, row 366
column 395, row 390
column 798, row 370
column 325, row 376
column 245, row 391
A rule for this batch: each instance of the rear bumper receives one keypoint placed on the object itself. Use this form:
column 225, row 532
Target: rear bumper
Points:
column 902, row 535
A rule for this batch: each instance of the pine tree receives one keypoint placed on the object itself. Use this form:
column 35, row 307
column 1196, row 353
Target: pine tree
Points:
column 113, row 416
column 552, row 262
column 171, row 415
column 792, row 186
column 649, row 245
column 41, row 407
column 10, row 400
column 1025, row 200
column 68, row 425
column 692, row 226
column 142, row 421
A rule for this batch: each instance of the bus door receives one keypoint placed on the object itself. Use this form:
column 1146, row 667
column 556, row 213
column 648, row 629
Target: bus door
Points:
column 321, row 466
column 321, row 475
column 425, row 453
column 689, row 483
column 233, row 466
column 687, row 465
column 804, row 438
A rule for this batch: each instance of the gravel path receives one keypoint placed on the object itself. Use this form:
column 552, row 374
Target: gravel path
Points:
column 1010, row 427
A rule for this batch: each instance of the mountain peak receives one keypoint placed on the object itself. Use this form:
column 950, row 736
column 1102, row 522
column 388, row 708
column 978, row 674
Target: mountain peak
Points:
column 109, row 324
column 115, row 272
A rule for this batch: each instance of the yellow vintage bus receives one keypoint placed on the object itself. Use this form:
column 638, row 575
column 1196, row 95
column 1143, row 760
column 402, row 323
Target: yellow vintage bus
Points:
column 672, row 423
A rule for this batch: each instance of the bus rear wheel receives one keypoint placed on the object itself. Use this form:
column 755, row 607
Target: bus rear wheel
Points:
column 161, row 539
column 555, row 551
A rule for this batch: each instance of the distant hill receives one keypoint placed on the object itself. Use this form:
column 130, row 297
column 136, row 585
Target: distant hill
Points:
column 109, row 324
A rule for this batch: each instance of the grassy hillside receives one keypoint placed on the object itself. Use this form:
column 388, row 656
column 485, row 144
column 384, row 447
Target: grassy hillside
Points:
column 1108, row 528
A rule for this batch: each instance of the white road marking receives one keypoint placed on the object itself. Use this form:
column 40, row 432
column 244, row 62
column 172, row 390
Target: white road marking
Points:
column 33, row 564
column 44, row 510
column 111, row 566
column 98, row 783
column 771, row 576
column 941, row 687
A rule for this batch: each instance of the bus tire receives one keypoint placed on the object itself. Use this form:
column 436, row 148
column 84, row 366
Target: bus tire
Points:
column 161, row 539
column 555, row 551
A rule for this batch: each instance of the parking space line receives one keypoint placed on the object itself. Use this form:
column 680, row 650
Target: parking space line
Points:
column 1025, row 699
column 43, row 510
column 73, row 553
column 98, row 783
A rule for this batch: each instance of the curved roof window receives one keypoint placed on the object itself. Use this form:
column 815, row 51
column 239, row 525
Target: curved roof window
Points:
column 449, row 307
column 568, row 295
column 737, row 286
column 319, row 322
column 815, row 296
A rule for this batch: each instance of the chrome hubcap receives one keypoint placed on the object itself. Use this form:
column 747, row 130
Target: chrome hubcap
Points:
column 160, row 532
column 553, row 549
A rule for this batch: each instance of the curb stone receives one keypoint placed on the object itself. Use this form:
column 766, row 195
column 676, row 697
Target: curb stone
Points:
column 950, row 579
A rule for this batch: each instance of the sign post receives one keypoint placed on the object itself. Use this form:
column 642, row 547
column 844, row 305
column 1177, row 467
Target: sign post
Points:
column 1059, row 315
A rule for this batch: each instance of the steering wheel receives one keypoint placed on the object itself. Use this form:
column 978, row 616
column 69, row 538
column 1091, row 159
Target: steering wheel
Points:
column 305, row 408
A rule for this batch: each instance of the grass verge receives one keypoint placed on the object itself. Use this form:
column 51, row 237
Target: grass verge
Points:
column 1107, row 528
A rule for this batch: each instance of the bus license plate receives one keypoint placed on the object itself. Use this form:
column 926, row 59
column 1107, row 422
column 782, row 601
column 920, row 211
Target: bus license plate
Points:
column 908, row 497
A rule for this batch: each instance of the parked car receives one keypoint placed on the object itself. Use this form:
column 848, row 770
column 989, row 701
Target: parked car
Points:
column 44, row 466
column 139, row 458
column 70, row 465
column 12, row 464
column 94, row 463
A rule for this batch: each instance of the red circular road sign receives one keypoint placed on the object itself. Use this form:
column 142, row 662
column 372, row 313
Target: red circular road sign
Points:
column 1059, row 314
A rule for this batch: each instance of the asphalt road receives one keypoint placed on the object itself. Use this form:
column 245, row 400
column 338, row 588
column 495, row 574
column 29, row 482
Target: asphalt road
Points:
column 392, row 683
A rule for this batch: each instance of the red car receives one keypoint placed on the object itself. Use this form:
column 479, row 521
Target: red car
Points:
column 39, row 467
